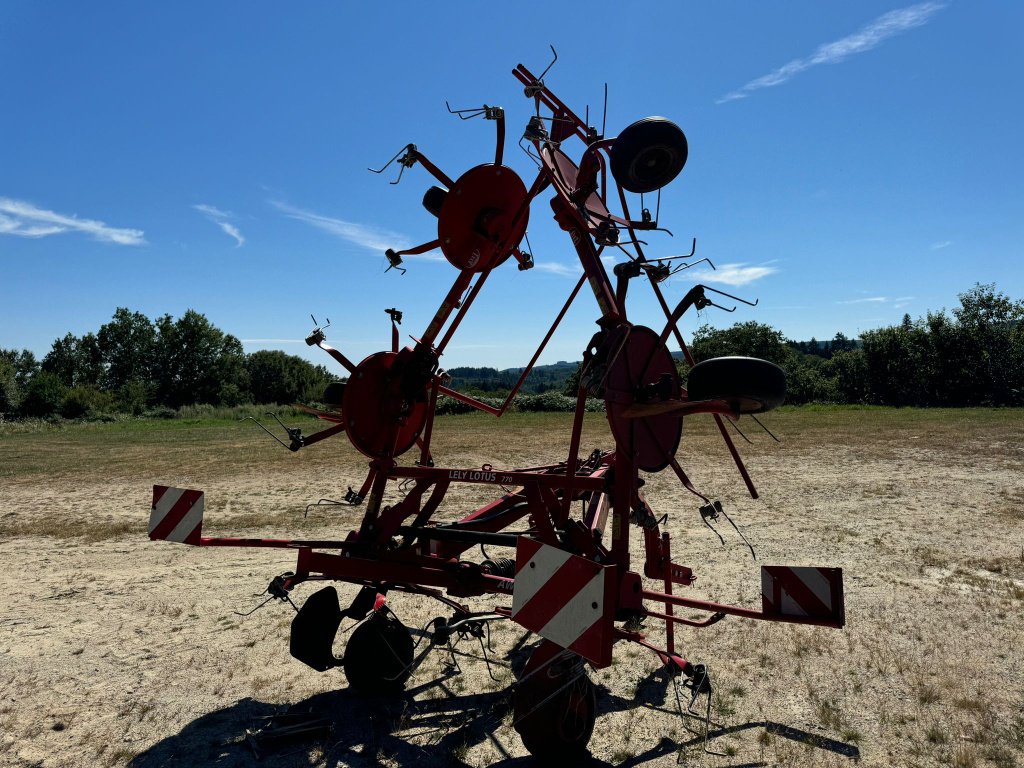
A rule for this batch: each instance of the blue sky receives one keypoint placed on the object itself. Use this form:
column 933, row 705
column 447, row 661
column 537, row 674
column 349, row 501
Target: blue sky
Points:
column 848, row 162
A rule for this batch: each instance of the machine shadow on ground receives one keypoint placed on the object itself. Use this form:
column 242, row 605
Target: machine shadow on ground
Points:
column 431, row 725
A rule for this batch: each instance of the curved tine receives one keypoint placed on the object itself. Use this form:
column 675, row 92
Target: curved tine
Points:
column 604, row 117
column 681, row 267
column 463, row 113
column 753, row 554
column 762, row 426
column 740, row 431
column 549, row 66
column 734, row 298
column 530, row 154
column 389, row 162
column 282, row 442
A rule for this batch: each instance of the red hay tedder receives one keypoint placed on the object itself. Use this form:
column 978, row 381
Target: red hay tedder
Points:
column 571, row 580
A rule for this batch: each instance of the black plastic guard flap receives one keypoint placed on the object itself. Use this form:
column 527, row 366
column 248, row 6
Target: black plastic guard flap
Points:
column 314, row 628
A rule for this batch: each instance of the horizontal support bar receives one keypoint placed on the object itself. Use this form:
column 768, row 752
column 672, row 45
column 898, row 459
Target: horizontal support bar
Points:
column 733, row 610
column 225, row 541
column 449, row 575
column 688, row 622
column 460, row 534
column 499, row 477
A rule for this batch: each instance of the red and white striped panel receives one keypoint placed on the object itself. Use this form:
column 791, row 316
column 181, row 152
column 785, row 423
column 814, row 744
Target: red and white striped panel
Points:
column 802, row 592
column 177, row 515
column 565, row 598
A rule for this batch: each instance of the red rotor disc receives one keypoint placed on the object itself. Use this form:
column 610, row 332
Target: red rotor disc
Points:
column 476, row 224
column 379, row 420
column 642, row 360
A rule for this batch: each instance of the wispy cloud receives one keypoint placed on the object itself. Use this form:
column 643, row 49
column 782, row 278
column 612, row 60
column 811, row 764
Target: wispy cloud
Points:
column 940, row 245
column 732, row 274
column 272, row 341
column 559, row 268
column 223, row 220
column 871, row 36
column 21, row 218
column 866, row 300
column 371, row 238
column 898, row 302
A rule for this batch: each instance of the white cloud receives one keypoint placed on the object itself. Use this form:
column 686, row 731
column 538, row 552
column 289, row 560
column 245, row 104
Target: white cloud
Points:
column 272, row 341
column 364, row 236
column 868, row 300
column 898, row 302
column 874, row 34
column 21, row 218
column 222, row 220
column 940, row 245
column 731, row 274
column 559, row 268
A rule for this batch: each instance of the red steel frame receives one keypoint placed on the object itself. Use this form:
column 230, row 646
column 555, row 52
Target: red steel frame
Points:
column 395, row 547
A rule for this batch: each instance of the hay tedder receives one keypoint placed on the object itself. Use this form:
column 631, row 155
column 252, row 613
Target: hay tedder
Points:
column 565, row 527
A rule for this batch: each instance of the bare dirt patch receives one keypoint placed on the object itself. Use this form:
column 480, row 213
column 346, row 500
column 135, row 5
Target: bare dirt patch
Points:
column 115, row 650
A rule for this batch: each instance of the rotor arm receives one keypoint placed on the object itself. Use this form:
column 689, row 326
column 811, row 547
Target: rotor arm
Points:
column 417, row 156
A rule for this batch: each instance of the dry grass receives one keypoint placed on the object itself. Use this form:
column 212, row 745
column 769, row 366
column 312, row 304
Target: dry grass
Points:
column 927, row 673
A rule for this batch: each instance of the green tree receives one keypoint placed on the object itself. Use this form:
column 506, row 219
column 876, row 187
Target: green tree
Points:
column 572, row 384
column 76, row 361
column 133, row 397
column 10, row 392
column 991, row 322
column 899, row 365
column 849, row 369
column 85, row 400
column 751, row 339
column 277, row 377
column 196, row 362
column 24, row 364
column 126, row 343
column 43, row 395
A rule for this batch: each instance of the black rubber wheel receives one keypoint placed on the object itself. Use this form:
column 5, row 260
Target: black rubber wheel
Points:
column 378, row 657
column 433, row 199
column 334, row 394
column 555, row 717
column 748, row 384
column 648, row 154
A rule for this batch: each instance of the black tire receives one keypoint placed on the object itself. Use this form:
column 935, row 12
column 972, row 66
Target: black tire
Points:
column 433, row 199
column 748, row 384
column 334, row 394
column 648, row 154
column 378, row 657
column 556, row 720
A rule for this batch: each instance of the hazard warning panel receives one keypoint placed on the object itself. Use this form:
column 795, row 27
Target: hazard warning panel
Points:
column 802, row 592
column 177, row 515
column 566, row 599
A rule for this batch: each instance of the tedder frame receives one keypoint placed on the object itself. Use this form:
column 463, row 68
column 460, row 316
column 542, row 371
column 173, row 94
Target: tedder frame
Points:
column 571, row 580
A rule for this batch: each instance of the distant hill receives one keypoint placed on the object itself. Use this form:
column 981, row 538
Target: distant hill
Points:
column 543, row 378
column 547, row 378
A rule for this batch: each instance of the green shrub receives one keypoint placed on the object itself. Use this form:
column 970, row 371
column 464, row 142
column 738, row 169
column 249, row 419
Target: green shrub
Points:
column 85, row 401
column 43, row 395
column 133, row 397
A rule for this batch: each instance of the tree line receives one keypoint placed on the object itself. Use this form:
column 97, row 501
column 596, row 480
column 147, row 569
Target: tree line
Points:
column 972, row 357
column 488, row 381
column 134, row 365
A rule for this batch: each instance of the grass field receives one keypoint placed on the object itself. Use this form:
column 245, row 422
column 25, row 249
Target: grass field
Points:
column 115, row 650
